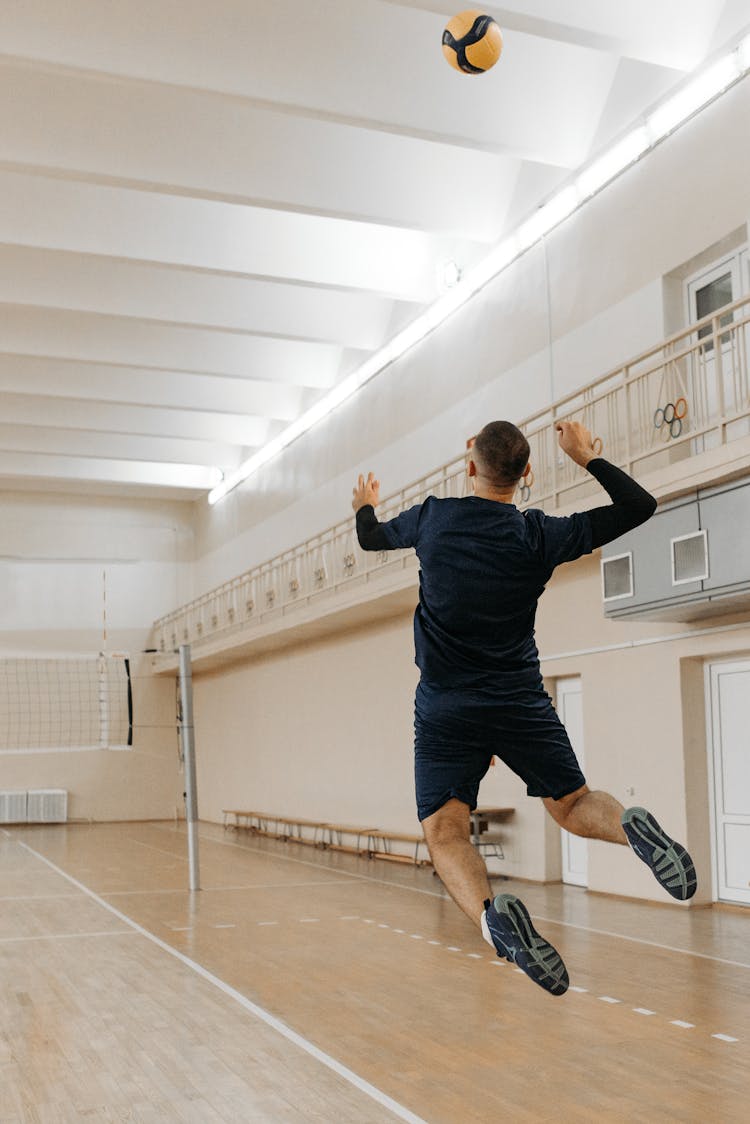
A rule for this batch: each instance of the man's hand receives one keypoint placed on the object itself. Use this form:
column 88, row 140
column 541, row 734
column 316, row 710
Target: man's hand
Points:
column 367, row 491
column 575, row 440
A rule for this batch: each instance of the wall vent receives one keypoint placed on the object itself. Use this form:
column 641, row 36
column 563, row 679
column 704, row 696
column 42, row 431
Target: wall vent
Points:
column 617, row 577
column 689, row 558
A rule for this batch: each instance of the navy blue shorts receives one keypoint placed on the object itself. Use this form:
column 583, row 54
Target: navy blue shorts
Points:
column 457, row 733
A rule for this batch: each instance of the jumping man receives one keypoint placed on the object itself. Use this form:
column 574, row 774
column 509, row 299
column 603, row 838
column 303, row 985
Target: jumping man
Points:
column 483, row 566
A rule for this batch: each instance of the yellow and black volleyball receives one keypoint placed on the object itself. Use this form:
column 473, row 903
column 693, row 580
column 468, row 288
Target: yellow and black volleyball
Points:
column 472, row 42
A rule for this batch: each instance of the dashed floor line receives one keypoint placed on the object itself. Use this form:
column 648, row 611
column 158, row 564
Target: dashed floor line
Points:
column 496, row 962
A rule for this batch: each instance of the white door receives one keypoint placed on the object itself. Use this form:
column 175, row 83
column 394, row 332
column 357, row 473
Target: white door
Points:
column 715, row 390
column 575, row 855
column 729, row 692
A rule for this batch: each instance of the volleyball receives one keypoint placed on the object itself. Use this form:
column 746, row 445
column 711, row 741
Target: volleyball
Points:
column 472, row 42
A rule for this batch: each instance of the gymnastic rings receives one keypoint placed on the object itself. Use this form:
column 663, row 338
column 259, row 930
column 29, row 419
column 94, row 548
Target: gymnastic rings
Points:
column 597, row 445
column 668, row 419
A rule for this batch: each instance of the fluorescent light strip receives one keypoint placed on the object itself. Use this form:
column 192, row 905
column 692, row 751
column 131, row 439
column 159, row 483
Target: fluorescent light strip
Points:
column 694, row 96
column 664, row 120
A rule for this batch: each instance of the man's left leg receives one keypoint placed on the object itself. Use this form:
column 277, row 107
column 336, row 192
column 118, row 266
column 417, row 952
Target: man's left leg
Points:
column 594, row 815
column 504, row 923
column 597, row 815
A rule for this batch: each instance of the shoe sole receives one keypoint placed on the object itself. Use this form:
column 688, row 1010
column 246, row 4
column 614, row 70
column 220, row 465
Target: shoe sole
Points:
column 540, row 961
column 672, row 866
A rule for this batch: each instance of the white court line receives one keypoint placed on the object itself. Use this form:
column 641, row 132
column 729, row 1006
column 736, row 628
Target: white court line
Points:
column 37, row 897
column 643, row 1011
column 641, row 940
column 444, row 897
column 679, row 1022
column 609, row 999
column 259, row 1012
column 67, row 936
column 221, row 889
column 725, row 1038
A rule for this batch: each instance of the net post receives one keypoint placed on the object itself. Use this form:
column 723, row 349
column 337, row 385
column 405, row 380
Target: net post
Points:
column 188, row 755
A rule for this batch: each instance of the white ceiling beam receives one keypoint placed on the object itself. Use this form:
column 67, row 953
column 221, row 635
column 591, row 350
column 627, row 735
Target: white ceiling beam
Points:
column 674, row 33
column 111, row 339
column 80, row 282
column 54, row 441
column 289, row 54
column 224, row 237
column 204, row 144
column 69, row 413
column 180, row 390
column 85, row 470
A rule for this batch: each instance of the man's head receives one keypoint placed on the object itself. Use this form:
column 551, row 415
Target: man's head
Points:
column 499, row 454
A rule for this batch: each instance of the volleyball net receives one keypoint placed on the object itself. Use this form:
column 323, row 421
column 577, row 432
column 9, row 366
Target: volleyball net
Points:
column 65, row 703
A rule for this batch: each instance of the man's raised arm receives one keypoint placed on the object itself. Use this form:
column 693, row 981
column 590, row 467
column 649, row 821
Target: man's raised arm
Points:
column 631, row 504
column 365, row 497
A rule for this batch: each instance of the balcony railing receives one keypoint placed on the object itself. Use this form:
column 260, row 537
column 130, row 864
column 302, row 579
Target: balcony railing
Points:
column 681, row 398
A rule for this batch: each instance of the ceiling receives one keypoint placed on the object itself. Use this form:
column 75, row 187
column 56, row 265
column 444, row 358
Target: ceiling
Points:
column 212, row 212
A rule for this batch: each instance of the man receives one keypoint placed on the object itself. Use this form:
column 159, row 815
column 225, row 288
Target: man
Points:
column 483, row 567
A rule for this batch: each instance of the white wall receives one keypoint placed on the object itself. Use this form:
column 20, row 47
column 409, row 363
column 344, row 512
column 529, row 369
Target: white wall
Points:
column 60, row 555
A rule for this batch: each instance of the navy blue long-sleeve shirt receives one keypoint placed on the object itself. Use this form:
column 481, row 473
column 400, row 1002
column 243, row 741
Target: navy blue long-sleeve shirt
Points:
column 484, row 566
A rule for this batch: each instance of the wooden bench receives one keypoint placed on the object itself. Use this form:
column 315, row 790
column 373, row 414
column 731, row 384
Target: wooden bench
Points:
column 272, row 824
column 329, row 835
column 335, row 833
column 376, row 838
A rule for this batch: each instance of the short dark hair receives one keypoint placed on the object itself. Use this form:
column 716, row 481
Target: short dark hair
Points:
column 503, row 452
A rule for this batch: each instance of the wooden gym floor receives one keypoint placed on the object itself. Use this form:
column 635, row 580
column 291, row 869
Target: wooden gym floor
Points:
column 308, row 986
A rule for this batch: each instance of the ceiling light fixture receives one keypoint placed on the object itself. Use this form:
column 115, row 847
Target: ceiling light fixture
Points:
column 614, row 161
column 698, row 92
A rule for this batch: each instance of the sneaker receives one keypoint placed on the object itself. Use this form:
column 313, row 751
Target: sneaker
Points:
column 516, row 939
column 672, row 866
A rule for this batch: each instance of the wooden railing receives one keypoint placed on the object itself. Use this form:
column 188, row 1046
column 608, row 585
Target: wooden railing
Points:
column 680, row 398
